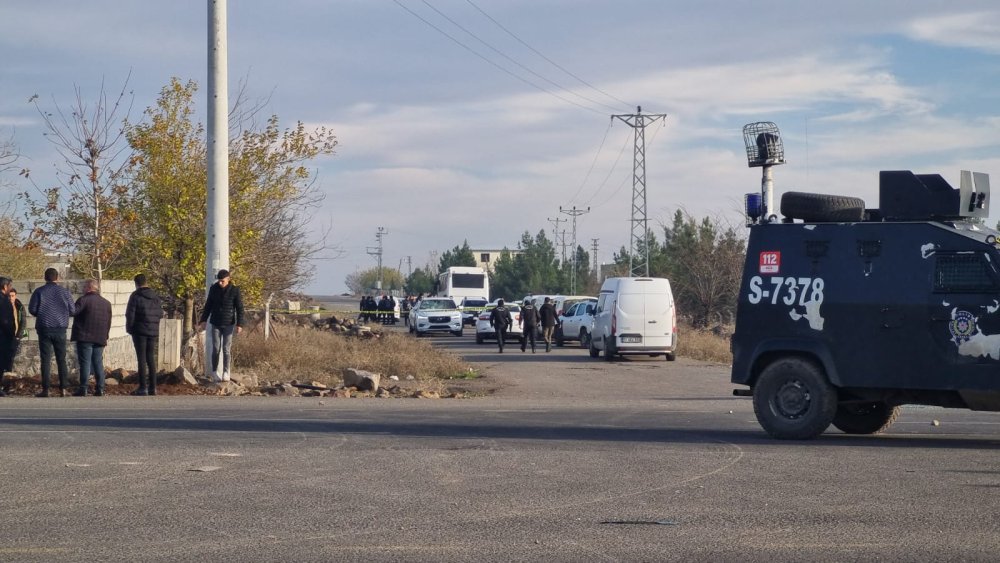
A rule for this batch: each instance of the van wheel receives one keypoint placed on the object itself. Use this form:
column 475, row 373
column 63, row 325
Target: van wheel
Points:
column 865, row 418
column 670, row 356
column 594, row 352
column 793, row 400
column 584, row 338
column 609, row 350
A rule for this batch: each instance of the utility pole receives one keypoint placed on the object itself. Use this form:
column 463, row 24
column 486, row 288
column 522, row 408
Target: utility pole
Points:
column 593, row 257
column 376, row 251
column 555, row 235
column 638, row 258
column 217, row 204
column 574, row 213
column 409, row 266
column 562, row 245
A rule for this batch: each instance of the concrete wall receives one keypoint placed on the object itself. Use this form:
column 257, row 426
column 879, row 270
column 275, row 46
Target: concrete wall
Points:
column 119, row 353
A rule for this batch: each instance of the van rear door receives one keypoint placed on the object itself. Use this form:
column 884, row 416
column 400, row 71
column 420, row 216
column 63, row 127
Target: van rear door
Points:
column 658, row 320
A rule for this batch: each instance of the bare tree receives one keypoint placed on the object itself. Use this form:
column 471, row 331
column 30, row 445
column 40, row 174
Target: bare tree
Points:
column 88, row 210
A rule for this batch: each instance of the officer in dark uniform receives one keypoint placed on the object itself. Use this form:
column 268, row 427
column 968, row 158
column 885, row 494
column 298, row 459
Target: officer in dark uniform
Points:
column 500, row 320
column 528, row 323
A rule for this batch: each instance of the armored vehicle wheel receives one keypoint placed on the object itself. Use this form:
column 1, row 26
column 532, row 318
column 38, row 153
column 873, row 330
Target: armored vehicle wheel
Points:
column 594, row 352
column 584, row 338
column 822, row 208
column 865, row 418
column 793, row 400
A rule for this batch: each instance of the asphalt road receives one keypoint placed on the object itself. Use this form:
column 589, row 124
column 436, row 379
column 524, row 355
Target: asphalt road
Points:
column 566, row 459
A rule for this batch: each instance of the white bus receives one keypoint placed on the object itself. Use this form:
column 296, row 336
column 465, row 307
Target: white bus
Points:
column 459, row 282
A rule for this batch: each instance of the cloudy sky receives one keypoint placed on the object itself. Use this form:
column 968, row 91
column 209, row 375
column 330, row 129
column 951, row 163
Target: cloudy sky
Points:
column 477, row 119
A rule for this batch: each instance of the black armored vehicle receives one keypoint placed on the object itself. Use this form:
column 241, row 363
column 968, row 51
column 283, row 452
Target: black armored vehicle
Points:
column 846, row 313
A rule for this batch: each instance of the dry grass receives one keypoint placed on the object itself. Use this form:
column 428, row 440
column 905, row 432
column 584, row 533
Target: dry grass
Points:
column 704, row 345
column 307, row 354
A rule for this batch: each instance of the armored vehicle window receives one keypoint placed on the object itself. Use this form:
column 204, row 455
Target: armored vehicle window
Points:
column 958, row 273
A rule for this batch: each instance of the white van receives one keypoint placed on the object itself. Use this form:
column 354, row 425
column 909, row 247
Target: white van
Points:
column 635, row 316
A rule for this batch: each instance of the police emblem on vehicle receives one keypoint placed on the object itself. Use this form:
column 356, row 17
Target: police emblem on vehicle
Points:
column 962, row 326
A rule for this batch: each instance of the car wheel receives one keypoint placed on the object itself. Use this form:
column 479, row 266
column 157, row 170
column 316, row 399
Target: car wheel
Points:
column 479, row 339
column 457, row 332
column 421, row 334
column 560, row 340
column 584, row 338
column 594, row 352
column 609, row 350
column 865, row 418
column 793, row 400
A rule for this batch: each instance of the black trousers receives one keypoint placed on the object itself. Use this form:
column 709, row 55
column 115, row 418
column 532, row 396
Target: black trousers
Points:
column 528, row 333
column 8, row 349
column 501, row 333
column 145, row 353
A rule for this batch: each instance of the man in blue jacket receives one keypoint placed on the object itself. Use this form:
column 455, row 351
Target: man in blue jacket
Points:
column 52, row 306
column 223, row 315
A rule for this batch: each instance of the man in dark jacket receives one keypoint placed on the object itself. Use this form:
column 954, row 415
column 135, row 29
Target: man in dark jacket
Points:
column 142, row 321
column 91, row 327
column 223, row 315
column 547, row 314
column 528, row 321
column 500, row 320
column 52, row 306
column 8, row 331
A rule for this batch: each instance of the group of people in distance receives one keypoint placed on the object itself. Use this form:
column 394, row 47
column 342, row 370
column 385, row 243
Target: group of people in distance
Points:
column 380, row 310
column 52, row 306
column 529, row 321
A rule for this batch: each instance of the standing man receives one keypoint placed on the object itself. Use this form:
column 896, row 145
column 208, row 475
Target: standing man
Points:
column 528, row 321
column 20, row 325
column 142, row 321
column 52, row 306
column 549, row 319
column 500, row 320
column 91, row 327
column 8, row 331
column 223, row 314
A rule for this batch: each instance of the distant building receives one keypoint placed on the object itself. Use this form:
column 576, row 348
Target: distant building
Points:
column 485, row 258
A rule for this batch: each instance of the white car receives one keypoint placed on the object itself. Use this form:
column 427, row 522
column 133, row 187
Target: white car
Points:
column 485, row 332
column 435, row 314
column 576, row 323
column 471, row 307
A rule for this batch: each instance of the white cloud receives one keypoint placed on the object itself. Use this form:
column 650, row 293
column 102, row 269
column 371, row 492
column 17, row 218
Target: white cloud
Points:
column 973, row 30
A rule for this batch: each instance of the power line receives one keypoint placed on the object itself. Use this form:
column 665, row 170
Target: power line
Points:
column 494, row 64
column 610, row 172
column 626, row 177
column 550, row 61
column 594, row 162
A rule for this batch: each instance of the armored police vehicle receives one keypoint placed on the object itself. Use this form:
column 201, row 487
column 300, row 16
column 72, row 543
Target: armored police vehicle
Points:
column 846, row 313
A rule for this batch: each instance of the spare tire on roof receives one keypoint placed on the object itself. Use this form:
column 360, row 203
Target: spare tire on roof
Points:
column 822, row 208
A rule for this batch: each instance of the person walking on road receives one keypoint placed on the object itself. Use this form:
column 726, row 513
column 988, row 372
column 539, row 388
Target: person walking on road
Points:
column 500, row 320
column 528, row 321
column 549, row 318
column 52, row 306
column 142, row 321
column 223, row 315
column 91, row 328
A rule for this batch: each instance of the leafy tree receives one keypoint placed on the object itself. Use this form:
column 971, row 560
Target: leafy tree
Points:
column 366, row 281
column 458, row 256
column 534, row 270
column 271, row 194
column 90, row 210
column 505, row 281
column 419, row 281
column 19, row 258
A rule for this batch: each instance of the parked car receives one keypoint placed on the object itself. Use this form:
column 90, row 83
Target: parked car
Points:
column 485, row 332
column 635, row 316
column 576, row 321
column 471, row 307
column 435, row 314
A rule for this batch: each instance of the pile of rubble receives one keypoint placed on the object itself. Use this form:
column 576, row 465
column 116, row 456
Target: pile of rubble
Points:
column 357, row 383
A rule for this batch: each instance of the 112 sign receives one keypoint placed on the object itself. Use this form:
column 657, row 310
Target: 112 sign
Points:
column 770, row 262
